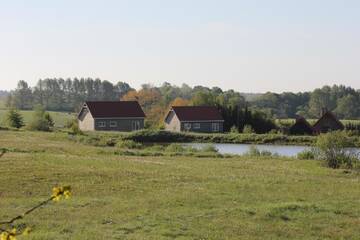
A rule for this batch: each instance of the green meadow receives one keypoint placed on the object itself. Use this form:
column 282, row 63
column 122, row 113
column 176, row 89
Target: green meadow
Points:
column 60, row 118
column 2, row 103
column 172, row 197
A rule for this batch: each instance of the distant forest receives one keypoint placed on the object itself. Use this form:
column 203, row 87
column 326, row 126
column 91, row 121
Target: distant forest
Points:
column 59, row 94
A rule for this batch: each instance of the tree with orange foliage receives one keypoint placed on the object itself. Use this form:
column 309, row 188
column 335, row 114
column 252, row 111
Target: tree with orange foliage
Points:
column 179, row 102
column 151, row 101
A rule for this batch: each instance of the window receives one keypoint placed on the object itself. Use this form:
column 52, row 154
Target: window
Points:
column 135, row 125
column 215, row 127
column 102, row 124
column 187, row 126
column 113, row 124
column 196, row 125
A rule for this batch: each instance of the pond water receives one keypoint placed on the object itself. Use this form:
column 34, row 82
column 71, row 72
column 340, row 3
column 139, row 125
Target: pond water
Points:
column 240, row 149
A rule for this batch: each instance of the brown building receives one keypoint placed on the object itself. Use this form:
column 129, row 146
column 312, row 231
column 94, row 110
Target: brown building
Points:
column 301, row 127
column 194, row 119
column 111, row 116
column 327, row 122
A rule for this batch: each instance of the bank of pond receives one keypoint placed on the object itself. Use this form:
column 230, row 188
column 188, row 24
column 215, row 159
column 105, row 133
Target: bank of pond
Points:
column 160, row 143
column 156, row 136
column 244, row 149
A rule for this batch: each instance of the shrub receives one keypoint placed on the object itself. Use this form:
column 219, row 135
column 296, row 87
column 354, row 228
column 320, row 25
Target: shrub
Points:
column 14, row 119
column 129, row 144
column 175, row 147
column 255, row 152
column 154, row 136
column 42, row 121
column 248, row 129
column 106, row 142
column 89, row 140
column 155, row 148
column 306, row 154
column 209, row 148
column 333, row 148
column 75, row 129
column 73, row 125
column 275, row 131
column 49, row 119
column 234, row 129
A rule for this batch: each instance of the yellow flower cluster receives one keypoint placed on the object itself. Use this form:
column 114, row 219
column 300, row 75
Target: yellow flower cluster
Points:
column 11, row 235
column 59, row 192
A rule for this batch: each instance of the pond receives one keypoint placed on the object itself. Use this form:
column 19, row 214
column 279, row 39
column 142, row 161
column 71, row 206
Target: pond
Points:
column 240, row 149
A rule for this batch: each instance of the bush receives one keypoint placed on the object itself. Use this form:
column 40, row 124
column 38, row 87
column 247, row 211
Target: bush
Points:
column 49, row 119
column 333, row 148
column 306, row 154
column 89, row 140
column 14, row 119
column 129, row 144
column 75, row 129
column 106, row 142
column 155, row 148
column 159, row 136
column 73, row 125
column 175, row 147
column 248, row 129
column 234, row 129
column 209, row 148
column 255, row 152
column 153, row 136
column 42, row 121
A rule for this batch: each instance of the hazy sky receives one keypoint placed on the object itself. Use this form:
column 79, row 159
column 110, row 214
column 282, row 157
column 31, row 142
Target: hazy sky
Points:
column 248, row 45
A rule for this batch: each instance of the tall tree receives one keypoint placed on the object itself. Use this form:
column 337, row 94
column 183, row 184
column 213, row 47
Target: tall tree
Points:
column 348, row 107
column 22, row 96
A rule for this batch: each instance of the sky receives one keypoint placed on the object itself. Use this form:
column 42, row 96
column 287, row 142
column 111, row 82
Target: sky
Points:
column 248, row 46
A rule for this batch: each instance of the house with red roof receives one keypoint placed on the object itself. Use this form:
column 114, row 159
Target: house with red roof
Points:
column 123, row 116
column 203, row 119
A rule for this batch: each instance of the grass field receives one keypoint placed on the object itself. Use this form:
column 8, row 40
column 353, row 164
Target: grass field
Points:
column 2, row 102
column 118, row 197
column 60, row 118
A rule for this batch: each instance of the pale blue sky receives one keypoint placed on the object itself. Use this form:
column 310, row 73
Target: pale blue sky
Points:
column 251, row 46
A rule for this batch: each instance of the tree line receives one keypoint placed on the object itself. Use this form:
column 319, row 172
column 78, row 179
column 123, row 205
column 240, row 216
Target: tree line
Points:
column 342, row 100
column 59, row 94
column 64, row 95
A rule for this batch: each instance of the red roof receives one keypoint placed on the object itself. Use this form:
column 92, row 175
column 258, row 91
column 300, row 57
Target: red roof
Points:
column 197, row 113
column 115, row 109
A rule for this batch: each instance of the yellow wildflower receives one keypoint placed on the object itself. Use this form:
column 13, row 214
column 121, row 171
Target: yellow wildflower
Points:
column 67, row 194
column 8, row 235
column 26, row 231
column 58, row 192
column 4, row 236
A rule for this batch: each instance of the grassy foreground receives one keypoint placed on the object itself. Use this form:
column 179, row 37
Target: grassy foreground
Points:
column 119, row 197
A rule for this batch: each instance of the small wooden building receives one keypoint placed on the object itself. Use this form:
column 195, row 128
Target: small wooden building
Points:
column 111, row 116
column 194, row 119
column 301, row 127
column 327, row 122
